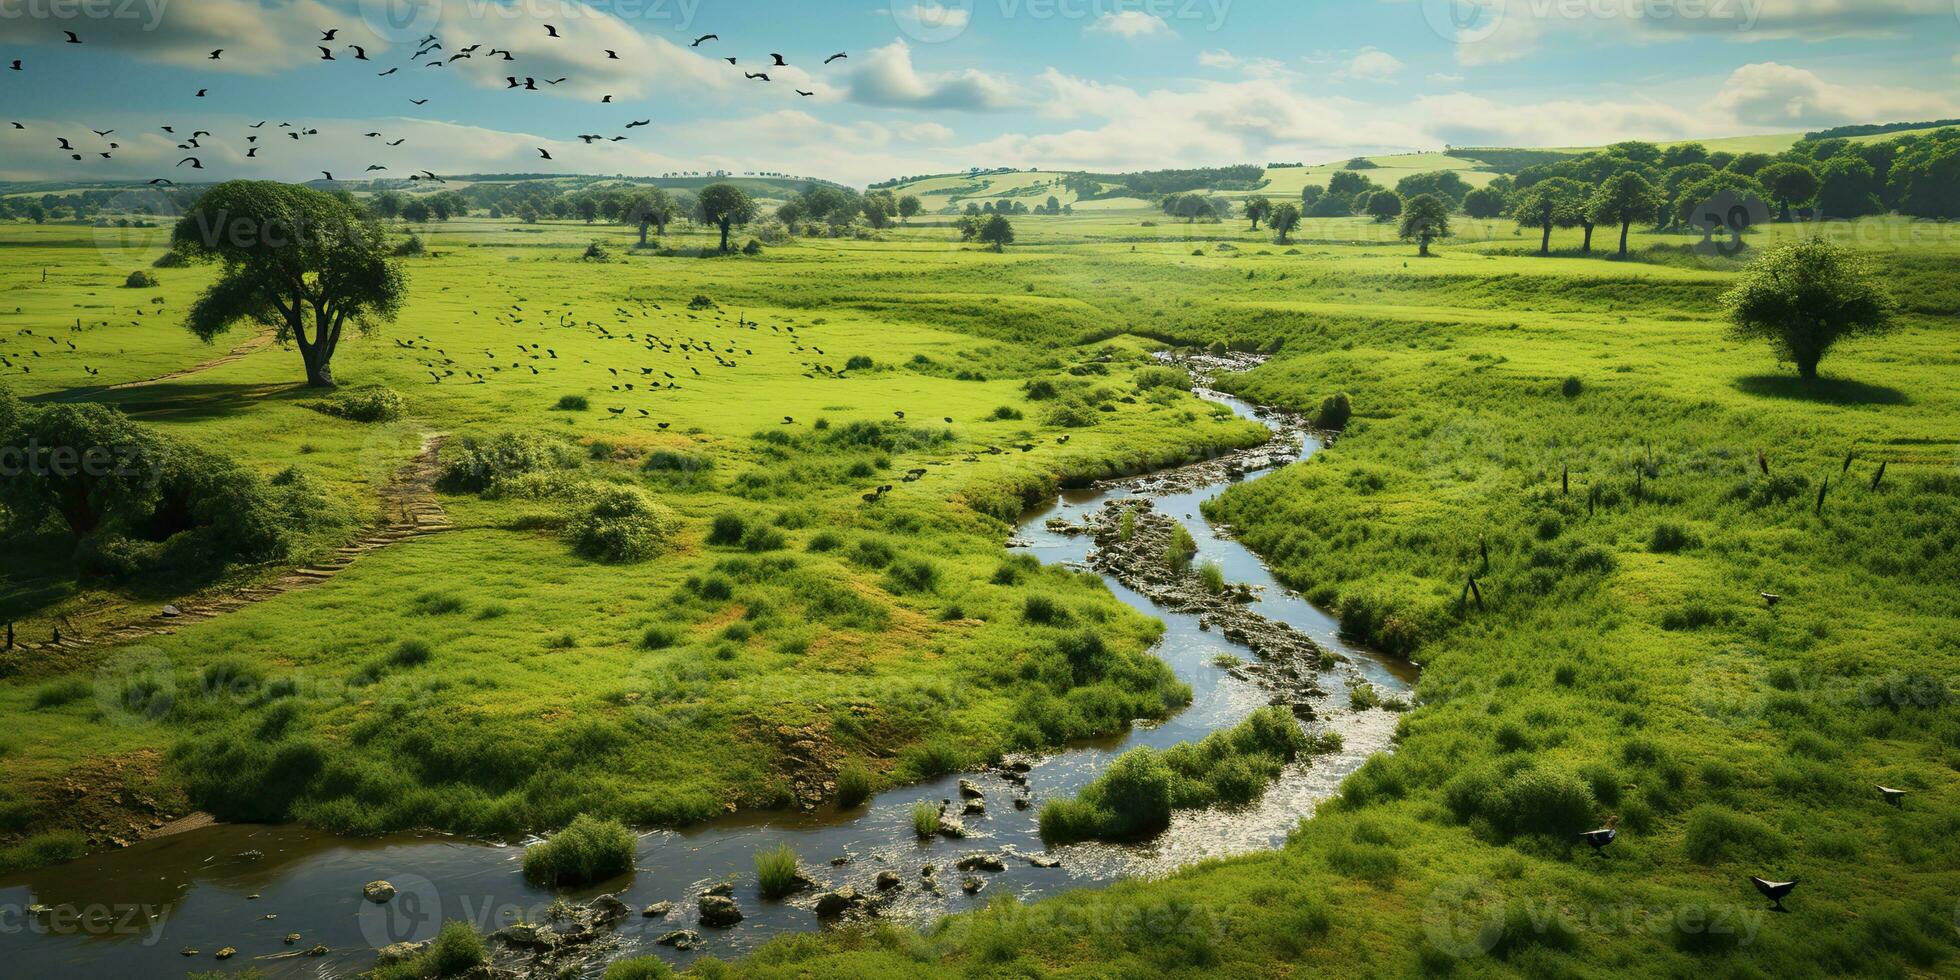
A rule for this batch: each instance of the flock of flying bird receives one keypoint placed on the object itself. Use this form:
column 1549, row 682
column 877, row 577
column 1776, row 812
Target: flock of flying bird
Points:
column 430, row 47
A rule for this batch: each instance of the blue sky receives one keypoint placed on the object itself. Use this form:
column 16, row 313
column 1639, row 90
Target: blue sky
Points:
column 1095, row 84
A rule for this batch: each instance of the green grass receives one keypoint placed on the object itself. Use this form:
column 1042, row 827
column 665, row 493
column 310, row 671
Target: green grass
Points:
column 1622, row 663
column 776, row 871
column 925, row 819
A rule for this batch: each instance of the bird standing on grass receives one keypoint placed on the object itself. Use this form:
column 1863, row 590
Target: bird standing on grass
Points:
column 1774, row 890
column 1602, row 837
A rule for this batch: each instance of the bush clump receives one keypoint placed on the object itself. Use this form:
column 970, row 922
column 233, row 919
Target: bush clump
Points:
column 590, row 850
column 1517, row 797
column 925, row 819
column 478, row 465
column 410, row 247
column 374, row 404
column 1668, row 538
column 727, row 530
column 1335, row 411
column 457, row 950
column 573, row 403
column 776, row 870
column 596, row 252
column 623, row 524
column 853, row 785
column 141, row 280
column 1163, row 377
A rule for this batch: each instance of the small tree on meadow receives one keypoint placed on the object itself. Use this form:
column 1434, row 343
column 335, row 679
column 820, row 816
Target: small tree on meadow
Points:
column 909, row 207
column 1551, row 203
column 725, row 206
column 1425, row 219
column 1805, row 296
column 1624, row 199
column 1283, row 220
column 997, row 231
column 1258, row 209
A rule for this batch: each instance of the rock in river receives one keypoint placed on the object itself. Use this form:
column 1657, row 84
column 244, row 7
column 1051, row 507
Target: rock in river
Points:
column 719, row 911
column 887, row 880
column 980, row 862
column 970, row 790
column 657, row 910
column 682, row 939
column 833, row 904
column 378, row 892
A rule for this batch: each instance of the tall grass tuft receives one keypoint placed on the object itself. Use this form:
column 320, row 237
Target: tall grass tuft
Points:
column 853, row 785
column 925, row 819
column 591, row 849
column 775, row 868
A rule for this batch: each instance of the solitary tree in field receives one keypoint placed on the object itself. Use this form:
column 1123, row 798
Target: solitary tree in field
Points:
column 1258, row 209
column 725, row 206
column 649, row 209
column 305, row 263
column 1788, row 184
column 1550, row 203
column 1624, row 199
column 997, row 231
column 1283, row 220
column 1805, row 296
column 1424, row 219
column 909, row 207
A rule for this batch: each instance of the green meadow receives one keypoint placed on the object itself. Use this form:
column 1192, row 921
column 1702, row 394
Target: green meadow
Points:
column 1579, row 434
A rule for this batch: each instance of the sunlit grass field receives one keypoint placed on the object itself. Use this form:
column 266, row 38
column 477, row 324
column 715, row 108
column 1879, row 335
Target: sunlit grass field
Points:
column 1582, row 421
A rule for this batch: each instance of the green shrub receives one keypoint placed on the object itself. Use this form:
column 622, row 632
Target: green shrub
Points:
column 1715, row 833
column 587, row 851
column 1212, row 577
column 776, row 870
column 411, row 653
column 373, row 404
column 1181, row 548
column 660, row 636
column 761, row 537
column 622, row 524
column 596, row 252
column 1335, row 411
column 1042, row 610
column 67, row 690
column 1517, row 797
column 727, row 530
column 1005, row 413
column 410, row 247
column 1668, row 538
column 41, row 850
column 909, row 575
column 141, row 280
column 477, row 465
column 1163, row 377
column 825, row 541
column 573, row 403
column 1571, row 387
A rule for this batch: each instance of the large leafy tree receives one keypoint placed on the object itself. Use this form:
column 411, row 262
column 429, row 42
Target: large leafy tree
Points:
column 1556, row 202
column 1805, row 296
column 653, row 208
column 725, row 206
column 308, row 264
column 1624, row 199
column 1925, row 176
column 1425, row 218
column 1788, row 184
column 1848, row 187
column 1484, row 202
column 1383, row 206
column 909, row 206
column 997, row 231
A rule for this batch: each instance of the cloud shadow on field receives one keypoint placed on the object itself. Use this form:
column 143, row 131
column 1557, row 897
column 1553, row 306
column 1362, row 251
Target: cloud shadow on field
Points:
column 1829, row 391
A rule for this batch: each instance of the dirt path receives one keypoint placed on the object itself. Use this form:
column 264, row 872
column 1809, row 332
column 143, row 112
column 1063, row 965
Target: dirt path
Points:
column 409, row 509
column 253, row 345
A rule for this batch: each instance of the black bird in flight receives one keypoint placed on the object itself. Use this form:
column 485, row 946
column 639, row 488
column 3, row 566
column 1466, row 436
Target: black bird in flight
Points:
column 374, row 167
column 606, row 99
column 550, row 31
column 163, row 180
column 215, row 54
column 835, row 57
column 19, row 126
column 102, row 133
column 390, row 71
column 420, row 101
column 638, row 123
column 327, row 174
column 195, row 163
column 780, row 63
column 330, row 35
column 1896, row 797
column 326, row 54
column 72, row 39
column 399, row 141
column 543, row 153
column 705, row 37
column 753, row 75
column 729, row 60
column 16, row 65
column 803, row 93
column 612, row 55
column 63, row 140
column 200, row 93
column 553, row 81
column 360, row 53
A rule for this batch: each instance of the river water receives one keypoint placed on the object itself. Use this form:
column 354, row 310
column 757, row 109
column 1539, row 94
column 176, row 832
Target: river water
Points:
column 135, row 911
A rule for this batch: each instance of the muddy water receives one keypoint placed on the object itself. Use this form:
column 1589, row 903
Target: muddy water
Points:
column 135, row 911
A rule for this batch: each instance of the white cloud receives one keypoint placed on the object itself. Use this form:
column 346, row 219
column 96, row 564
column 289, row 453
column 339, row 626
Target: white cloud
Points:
column 1130, row 24
column 1506, row 30
column 1371, row 65
column 886, row 77
column 931, row 19
column 1781, row 96
column 255, row 39
column 1462, row 119
column 1443, row 78
column 1253, row 67
column 926, row 132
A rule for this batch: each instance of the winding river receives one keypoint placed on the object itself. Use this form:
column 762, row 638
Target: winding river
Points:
column 139, row 910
